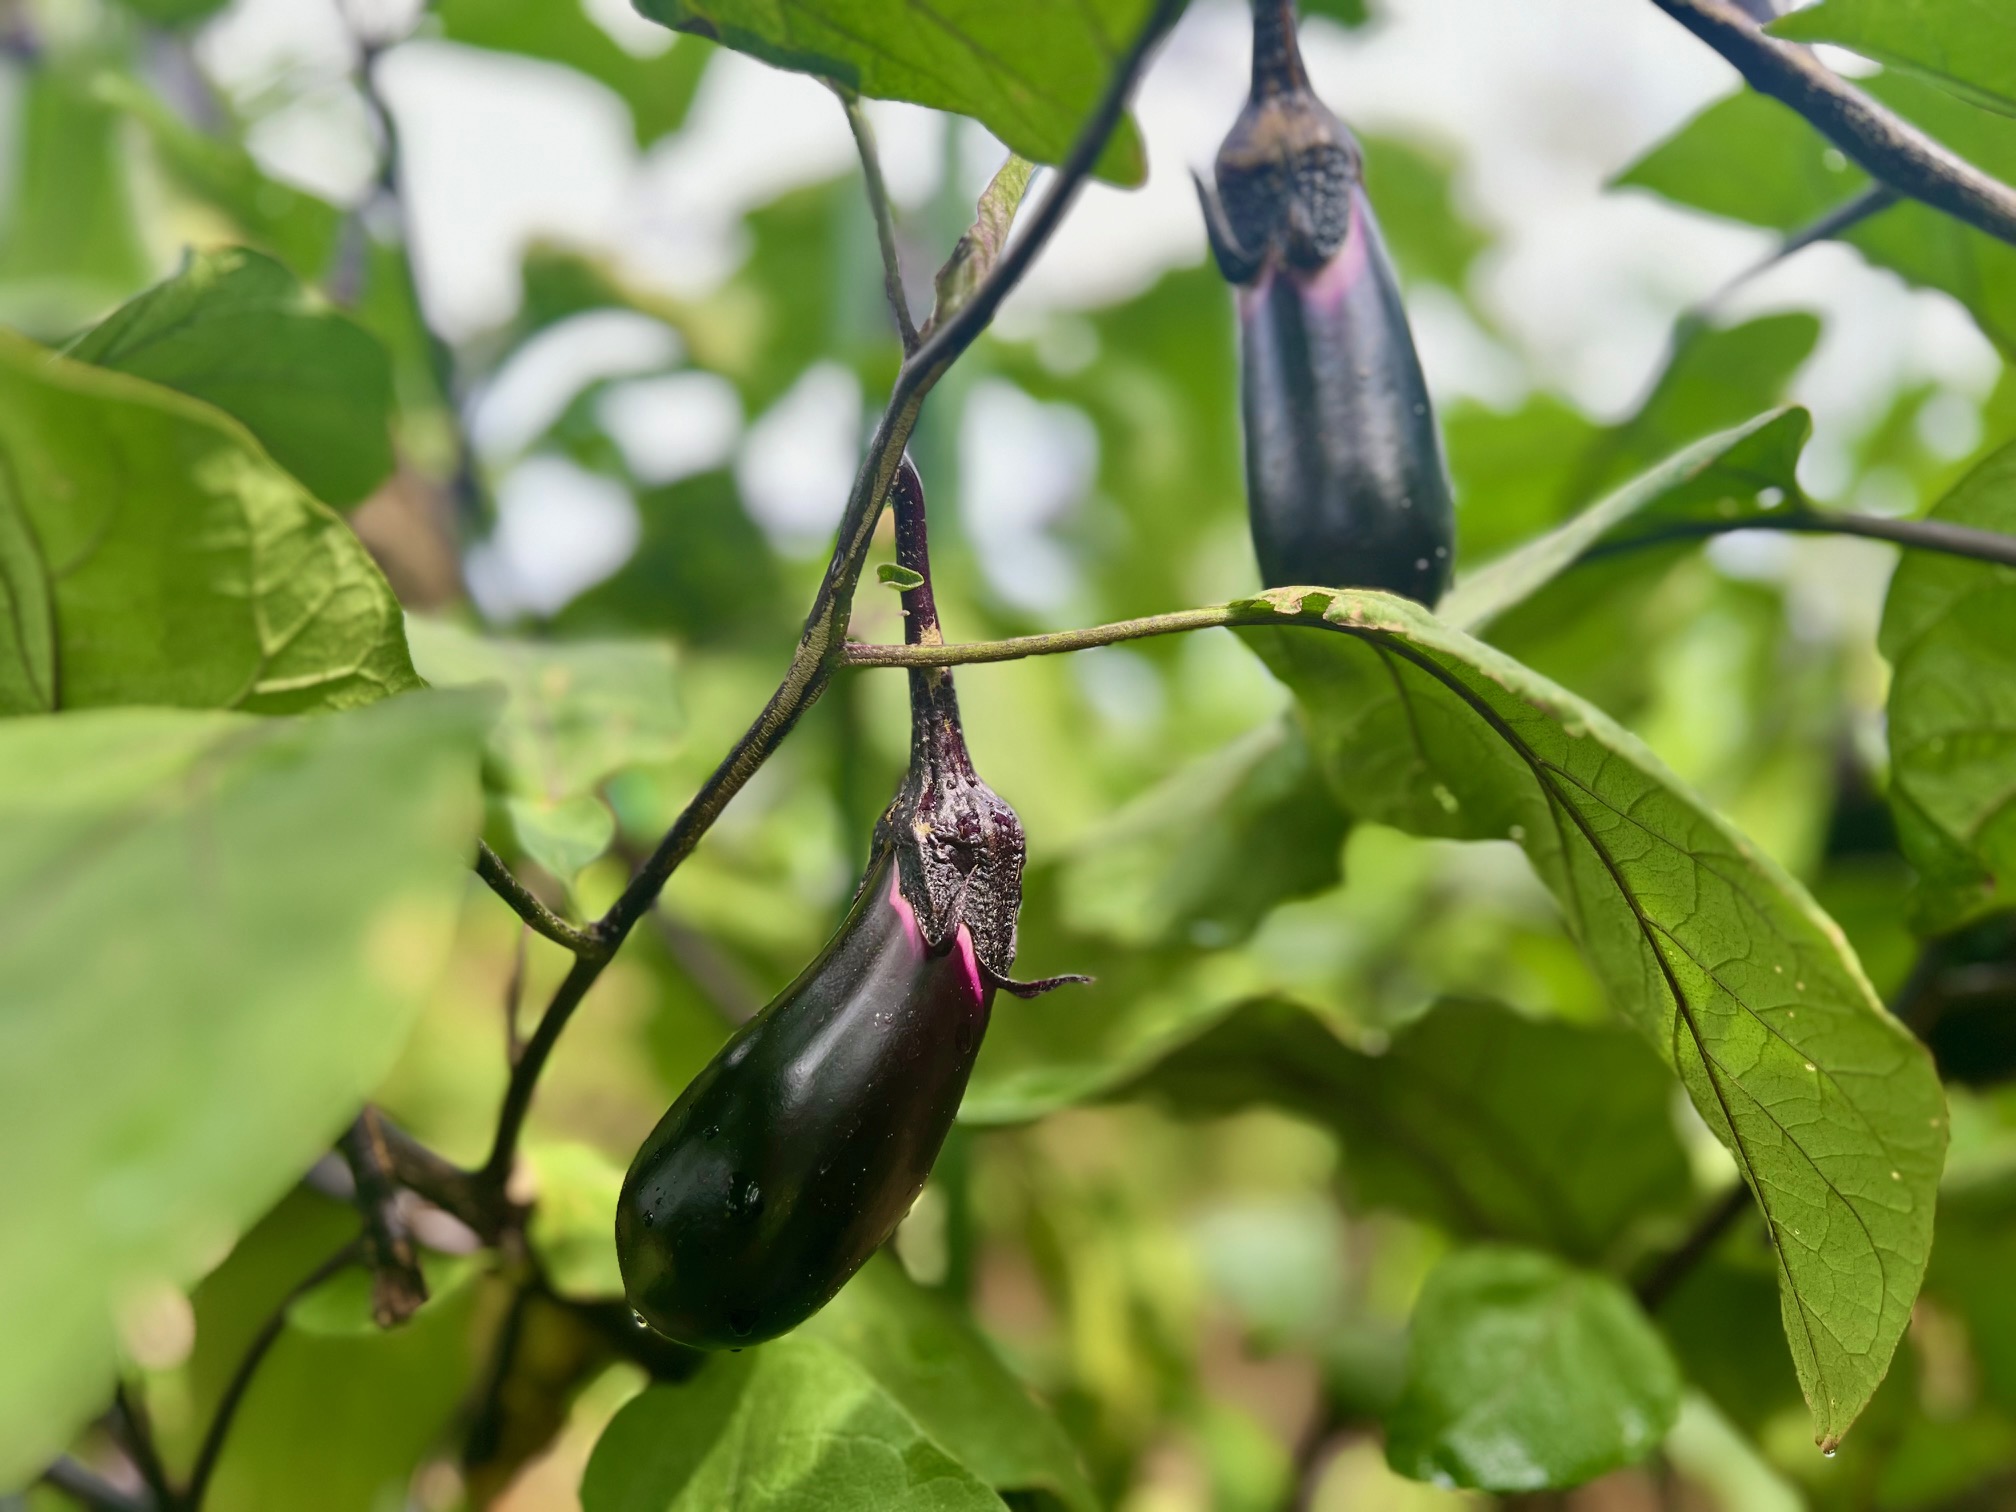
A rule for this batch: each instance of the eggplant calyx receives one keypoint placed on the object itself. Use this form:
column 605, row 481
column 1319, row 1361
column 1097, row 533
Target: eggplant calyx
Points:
column 1041, row 985
column 1287, row 169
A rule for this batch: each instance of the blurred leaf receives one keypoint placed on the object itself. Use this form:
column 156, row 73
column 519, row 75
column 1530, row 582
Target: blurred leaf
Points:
column 71, row 243
column 174, row 12
column 1520, row 473
column 1949, row 632
column 295, row 226
column 1348, row 12
column 1430, row 237
column 1208, row 853
column 657, row 89
column 1835, row 1118
column 1488, row 1124
column 938, row 1368
column 237, row 330
column 216, row 932
column 334, row 1420
column 980, row 247
column 152, row 554
column 576, row 713
column 793, row 1424
column 1711, row 481
column 1526, row 1375
column 1719, row 1321
column 1030, row 73
column 1966, row 45
column 572, row 1231
column 1750, row 159
column 703, row 573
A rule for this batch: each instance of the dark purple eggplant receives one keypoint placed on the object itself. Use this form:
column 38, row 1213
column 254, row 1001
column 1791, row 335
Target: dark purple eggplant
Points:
column 797, row 1151
column 1345, row 481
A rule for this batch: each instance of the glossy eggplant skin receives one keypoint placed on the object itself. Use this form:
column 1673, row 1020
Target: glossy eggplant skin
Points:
column 793, row 1156
column 1344, row 477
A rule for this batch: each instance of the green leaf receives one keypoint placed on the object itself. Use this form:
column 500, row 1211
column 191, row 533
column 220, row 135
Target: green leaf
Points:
column 980, row 247
column 1491, row 1125
column 295, row 226
column 1031, row 72
column 151, row 553
column 1526, row 1375
column 1949, row 631
column 925, row 1353
column 657, row 89
column 794, row 1424
column 335, row 1419
column 1207, row 854
column 1721, row 478
column 1751, row 159
column 238, row 330
column 1968, row 46
column 576, row 713
column 215, row 932
column 894, row 575
column 72, row 241
column 1831, row 1108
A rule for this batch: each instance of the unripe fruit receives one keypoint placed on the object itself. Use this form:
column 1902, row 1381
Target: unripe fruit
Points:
column 1345, row 481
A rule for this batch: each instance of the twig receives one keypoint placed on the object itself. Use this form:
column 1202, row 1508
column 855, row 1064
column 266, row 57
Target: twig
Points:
column 1941, row 536
column 248, row 1366
column 90, row 1489
column 1674, row 1267
column 136, row 1436
column 1015, row 648
column 514, row 998
column 398, row 1289
column 1886, row 147
column 462, row 1194
column 878, row 205
column 821, row 645
column 542, row 920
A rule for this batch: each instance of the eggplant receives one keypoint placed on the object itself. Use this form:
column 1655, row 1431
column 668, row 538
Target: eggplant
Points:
column 1345, row 480
column 796, row 1152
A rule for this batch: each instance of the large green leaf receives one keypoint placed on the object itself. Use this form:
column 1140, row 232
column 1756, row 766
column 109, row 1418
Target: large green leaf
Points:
column 576, row 713
column 1966, row 45
column 796, row 1424
column 1491, row 1125
column 1524, row 1374
column 214, row 932
column 238, row 330
column 1029, row 72
column 1831, row 1108
column 1741, row 473
column 657, row 89
column 151, row 553
column 1749, row 158
column 1949, row 630
column 929, row 1357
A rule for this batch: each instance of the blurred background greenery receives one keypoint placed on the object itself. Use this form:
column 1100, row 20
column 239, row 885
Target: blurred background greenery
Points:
column 630, row 295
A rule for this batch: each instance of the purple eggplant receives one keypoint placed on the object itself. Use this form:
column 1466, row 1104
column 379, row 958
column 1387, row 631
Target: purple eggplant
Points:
column 1345, row 481
column 796, row 1152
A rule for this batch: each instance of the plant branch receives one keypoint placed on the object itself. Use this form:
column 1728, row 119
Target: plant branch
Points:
column 1941, row 536
column 398, row 1289
column 821, row 645
column 248, row 1366
column 136, row 1436
column 1882, row 144
column 90, row 1489
column 1015, row 648
column 1675, row 1266
column 541, row 919
column 878, row 204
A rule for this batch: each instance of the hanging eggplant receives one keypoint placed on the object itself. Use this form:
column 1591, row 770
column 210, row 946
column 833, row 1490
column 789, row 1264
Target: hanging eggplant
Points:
column 793, row 1156
column 1345, row 481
